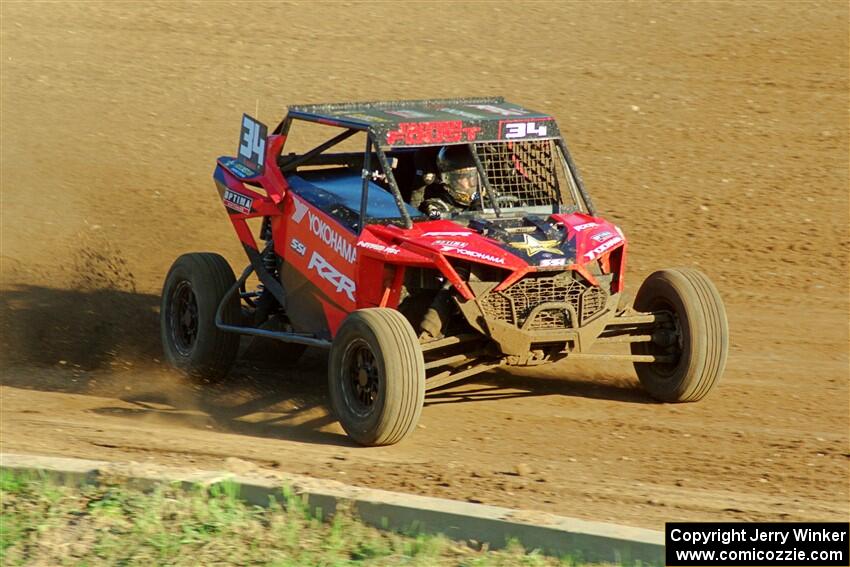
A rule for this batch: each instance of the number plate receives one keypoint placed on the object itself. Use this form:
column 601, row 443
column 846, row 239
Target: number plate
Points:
column 252, row 144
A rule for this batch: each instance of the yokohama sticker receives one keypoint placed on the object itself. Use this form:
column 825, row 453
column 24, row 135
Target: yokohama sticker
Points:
column 473, row 254
column 602, row 248
column 237, row 201
column 323, row 230
column 422, row 133
column 327, row 272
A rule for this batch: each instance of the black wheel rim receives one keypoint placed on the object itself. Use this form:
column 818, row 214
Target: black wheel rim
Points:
column 361, row 378
column 665, row 370
column 184, row 318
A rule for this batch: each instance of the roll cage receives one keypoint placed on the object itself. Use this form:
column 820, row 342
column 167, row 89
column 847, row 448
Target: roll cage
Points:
column 485, row 125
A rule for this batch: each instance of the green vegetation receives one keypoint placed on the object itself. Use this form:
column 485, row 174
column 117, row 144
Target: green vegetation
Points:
column 46, row 523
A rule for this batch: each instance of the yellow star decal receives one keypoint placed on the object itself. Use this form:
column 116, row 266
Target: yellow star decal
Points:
column 532, row 246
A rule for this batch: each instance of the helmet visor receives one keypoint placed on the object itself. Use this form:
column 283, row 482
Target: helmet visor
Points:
column 462, row 184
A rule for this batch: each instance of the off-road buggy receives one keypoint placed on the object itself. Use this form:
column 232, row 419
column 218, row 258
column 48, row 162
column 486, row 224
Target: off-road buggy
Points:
column 405, row 302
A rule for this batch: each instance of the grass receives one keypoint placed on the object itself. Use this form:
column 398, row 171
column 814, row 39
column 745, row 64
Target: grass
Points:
column 45, row 523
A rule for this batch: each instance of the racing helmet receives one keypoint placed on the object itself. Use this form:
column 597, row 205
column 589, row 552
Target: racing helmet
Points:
column 458, row 173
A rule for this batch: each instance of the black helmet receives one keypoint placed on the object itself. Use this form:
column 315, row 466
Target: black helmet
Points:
column 458, row 173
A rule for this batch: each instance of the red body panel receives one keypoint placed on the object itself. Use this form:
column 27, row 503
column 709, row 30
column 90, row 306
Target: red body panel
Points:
column 340, row 271
column 330, row 258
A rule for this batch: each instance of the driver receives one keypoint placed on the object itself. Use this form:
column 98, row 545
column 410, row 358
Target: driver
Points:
column 458, row 185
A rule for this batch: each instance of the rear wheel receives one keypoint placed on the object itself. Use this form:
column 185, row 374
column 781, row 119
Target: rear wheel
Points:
column 194, row 287
column 699, row 341
column 376, row 376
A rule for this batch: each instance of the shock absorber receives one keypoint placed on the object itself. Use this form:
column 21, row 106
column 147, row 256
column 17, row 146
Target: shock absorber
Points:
column 435, row 319
column 270, row 260
column 269, row 257
column 266, row 303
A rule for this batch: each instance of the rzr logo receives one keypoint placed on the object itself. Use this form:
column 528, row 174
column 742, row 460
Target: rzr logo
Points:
column 417, row 133
column 327, row 272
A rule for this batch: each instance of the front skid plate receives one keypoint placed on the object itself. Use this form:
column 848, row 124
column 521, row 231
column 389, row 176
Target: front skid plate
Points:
column 515, row 341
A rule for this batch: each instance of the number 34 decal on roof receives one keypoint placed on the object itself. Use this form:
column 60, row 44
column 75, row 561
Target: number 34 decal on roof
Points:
column 252, row 144
column 524, row 129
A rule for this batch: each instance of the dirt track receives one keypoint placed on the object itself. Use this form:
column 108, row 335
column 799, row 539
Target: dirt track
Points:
column 715, row 134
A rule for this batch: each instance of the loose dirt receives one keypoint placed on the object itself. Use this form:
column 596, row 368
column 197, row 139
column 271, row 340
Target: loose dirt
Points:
column 714, row 134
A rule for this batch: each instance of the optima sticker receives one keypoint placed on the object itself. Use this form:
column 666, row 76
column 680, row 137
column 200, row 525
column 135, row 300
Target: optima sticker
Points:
column 237, row 201
column 451, row 243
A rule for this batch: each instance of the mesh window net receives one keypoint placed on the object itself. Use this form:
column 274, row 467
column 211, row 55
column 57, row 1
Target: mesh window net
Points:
column 523, row 174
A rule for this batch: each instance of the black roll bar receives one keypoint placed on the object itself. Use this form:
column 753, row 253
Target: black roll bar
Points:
column 388, row 171
column 291, row 165
column 562, row 144
column 366, row 173
column 491, row 193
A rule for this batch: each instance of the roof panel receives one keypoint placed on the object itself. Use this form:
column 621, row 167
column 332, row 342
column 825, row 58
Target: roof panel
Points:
column 435, row 121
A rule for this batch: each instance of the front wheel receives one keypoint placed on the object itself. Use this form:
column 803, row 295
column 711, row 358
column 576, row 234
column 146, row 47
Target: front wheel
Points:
column 699, row 338
column 376, row 376
column 193, row 289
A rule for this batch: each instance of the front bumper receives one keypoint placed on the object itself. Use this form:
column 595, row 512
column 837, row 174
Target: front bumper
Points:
column 554, row 310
